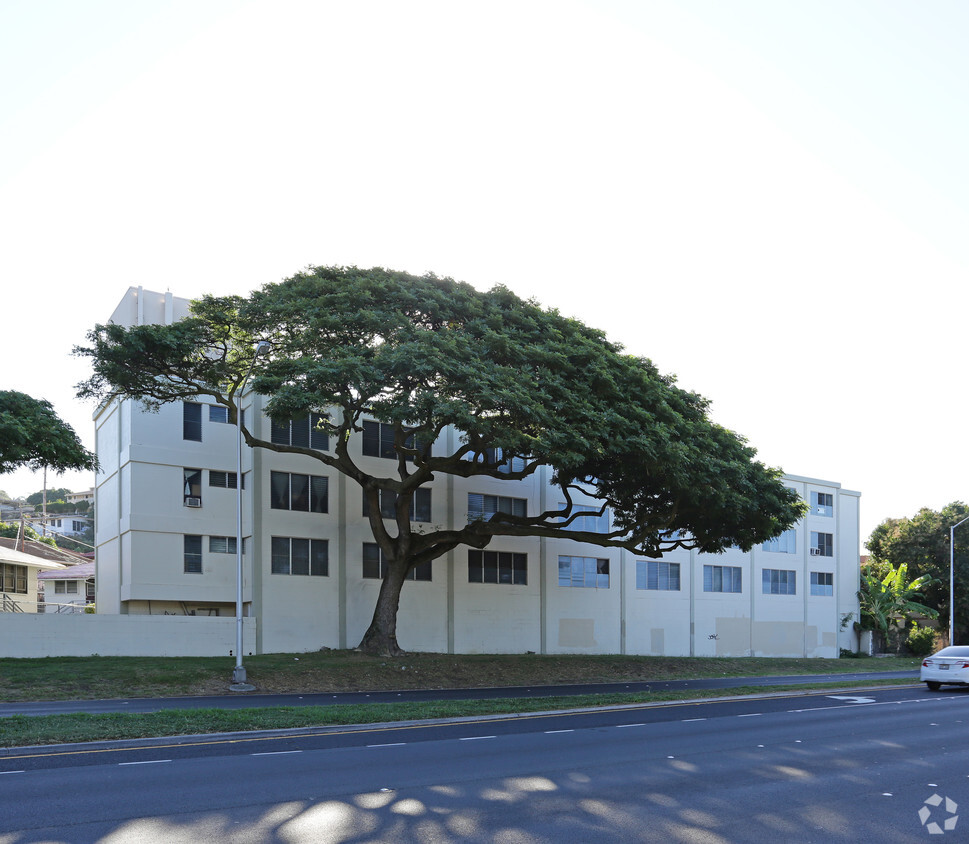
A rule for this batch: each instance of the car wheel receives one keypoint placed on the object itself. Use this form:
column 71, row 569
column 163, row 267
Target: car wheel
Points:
column 933, row 687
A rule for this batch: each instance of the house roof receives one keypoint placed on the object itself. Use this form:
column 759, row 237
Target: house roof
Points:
column 82, row 571
column 19, row 558
column 38, row 553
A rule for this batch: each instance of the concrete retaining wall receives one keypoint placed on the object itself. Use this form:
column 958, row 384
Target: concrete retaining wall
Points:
column 28, row 635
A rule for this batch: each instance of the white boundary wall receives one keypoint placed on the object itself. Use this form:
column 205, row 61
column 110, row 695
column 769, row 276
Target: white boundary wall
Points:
column 82, row 634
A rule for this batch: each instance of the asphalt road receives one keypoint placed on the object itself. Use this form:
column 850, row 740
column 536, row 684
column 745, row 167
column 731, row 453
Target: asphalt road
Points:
column 250, row 699
column 879, row 765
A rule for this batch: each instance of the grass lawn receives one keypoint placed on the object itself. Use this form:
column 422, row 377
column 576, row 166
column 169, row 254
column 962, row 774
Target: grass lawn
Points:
column 89, row 678
column 77, row 678
column 19, row 730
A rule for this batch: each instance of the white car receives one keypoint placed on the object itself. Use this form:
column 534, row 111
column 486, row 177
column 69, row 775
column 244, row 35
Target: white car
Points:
column 950, row 666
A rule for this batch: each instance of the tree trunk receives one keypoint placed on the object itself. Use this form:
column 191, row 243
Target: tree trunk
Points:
column 381, row 637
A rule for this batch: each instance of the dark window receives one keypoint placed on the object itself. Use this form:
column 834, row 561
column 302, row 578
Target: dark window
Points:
column 13, row 579
column 420, row 505
column 503, row 464
column 222, row 545
column 378, row 440
column 305, row 432
column 193, row 554
column 483, row 507
column 306, row 493
column 218, row 413
column 497, row 567
column 192, row 487
column 375, row 566
column 191, row 421
column 224, row 480
column 299, row 556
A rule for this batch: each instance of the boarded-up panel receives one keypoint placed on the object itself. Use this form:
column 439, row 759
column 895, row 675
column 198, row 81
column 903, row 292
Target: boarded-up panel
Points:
column 577, row 633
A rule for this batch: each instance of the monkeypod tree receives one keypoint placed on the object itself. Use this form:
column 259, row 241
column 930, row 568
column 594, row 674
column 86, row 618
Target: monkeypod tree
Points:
column 33, row 436
column 525, row 386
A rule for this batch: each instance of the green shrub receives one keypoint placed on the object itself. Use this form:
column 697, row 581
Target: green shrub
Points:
column 920, row 641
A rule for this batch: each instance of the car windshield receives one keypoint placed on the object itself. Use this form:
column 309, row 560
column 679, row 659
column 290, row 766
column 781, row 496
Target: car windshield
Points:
column 957, row 650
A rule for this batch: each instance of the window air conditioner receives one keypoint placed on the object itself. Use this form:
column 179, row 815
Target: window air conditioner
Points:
column 193, row 502
column 815, row 552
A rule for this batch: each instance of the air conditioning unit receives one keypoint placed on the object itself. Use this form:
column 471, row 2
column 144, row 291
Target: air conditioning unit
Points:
column 815, row 552
column 193, row 502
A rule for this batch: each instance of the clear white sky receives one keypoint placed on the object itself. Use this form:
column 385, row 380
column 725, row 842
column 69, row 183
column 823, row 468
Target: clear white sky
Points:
column 767, row 198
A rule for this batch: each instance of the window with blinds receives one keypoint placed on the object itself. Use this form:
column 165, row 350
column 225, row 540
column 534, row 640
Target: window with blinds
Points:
column 483, row 507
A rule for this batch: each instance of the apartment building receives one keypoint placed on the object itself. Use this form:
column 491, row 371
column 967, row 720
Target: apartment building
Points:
column 166, row 499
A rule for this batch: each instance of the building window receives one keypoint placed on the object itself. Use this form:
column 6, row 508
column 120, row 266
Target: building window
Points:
column 822, row 583
column 483, row 507
column 13, row 579
column 378, row 440
column 375, row 566
column 290, row 555
column 304, row 432
column 722, row 579
column 583, row 572
column 192, row 492
column 786, row 543
column 822, row 504
column 222, row 545
column 497, row 567
column 495, row 458
column 657, row 575
column 779, row 582
column 306, row 493
column 593, row 523
column 822, row 544
column 191, row 421
column 65, row 587
column 218, row 413
column 224, row 480
column 420, row 505
column 193, row 554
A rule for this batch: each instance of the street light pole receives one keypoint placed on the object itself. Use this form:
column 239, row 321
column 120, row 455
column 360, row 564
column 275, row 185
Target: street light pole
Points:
column 952, row 580
column 239, row 672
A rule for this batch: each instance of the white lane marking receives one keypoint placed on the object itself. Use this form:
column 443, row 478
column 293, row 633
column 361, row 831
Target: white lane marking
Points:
column 276, row 752
column 391, row 744
column 750, row 715
column 13, row 772
column 688, row 720
column 476, row 738
column 145, row 762
column 878, row 703
column 852, row 699
column 620, row 726
column 556, row 732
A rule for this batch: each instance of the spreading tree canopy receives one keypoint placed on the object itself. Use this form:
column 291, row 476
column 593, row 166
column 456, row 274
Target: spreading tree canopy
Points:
column 921, row 542
column 33, row 436
column 525, row 386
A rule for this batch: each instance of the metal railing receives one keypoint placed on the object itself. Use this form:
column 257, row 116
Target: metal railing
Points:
column 11, row 604
column 8, row 604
